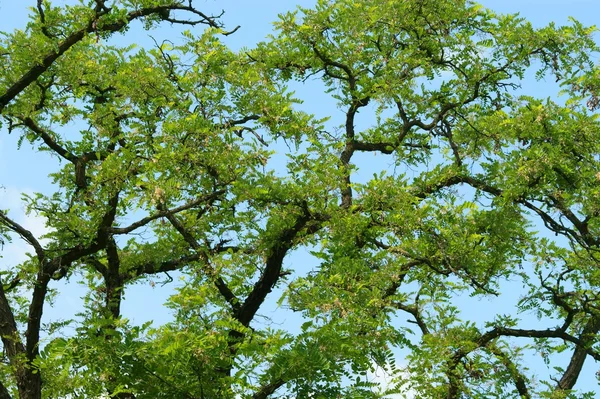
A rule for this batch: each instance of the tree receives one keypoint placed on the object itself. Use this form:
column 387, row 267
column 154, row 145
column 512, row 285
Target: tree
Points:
column 192, row 158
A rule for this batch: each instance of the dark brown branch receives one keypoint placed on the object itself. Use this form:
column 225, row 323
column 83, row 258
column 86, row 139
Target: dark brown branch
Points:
column 222, row 287
column 268, row 389
column 13, row 284
column 113, row 280
column 549, row 222
column 236, row 122
column 258, row 137
column 481, row 185
column 350, row 147
column 384, row 148
column 396, row 283
column 99, row 266
column 571, row 374
column 204, row 19
column 167, row 266
column 92, row 26
column 27, row 381
column 446, row 130
column 446, row 107
column 524, row 333
column 49, row 141
column 24, row 234
column 327, row 61
column 453, row 382
column 79, row 162
column 518, row 378
column 101, row 6
column 448, row 181
column 414, row 311
column 167, row 212
column 272, row 271
column 558, row 298
column 355, row 105
column 4, row 394
column 48, row 268
column 8, row 328
column 581, row 225
column 42, row 14
column 238, row 132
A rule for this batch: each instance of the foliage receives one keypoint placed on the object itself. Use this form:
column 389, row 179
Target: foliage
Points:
column 194, row 159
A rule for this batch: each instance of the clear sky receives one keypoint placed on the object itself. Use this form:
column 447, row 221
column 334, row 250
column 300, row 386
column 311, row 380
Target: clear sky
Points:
column 25, row 171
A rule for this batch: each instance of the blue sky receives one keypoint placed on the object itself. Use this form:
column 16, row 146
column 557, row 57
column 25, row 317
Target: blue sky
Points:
column 25, row 171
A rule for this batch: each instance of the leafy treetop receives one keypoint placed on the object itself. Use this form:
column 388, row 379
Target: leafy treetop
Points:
column 189, row 157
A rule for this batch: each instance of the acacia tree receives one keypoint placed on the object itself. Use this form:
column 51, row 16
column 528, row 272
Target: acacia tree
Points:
column 170, row 159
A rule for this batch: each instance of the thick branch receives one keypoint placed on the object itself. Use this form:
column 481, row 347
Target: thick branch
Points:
column 272, row 270
column 47, row 269
column 572, row 372
column 414, row 311
column 14, row 349
column 8, row 328
column 266, row 390
column 524, row 333
column 4, row 394
column 384, row 148
column 167, row 266
column 113, row 280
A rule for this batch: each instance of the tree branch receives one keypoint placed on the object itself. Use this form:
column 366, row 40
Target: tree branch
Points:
column 571, row 374
column 8, row 328
column 92, row 26
column 224, row 290
column 166, row 266
column 273, row 266
column 524, row 333
column 49, row 141
column 24, row 234
column 14, row 348
column 384, row 148
column 519, row 379
column 4, row 394
column 267, row 389
column 167, row 212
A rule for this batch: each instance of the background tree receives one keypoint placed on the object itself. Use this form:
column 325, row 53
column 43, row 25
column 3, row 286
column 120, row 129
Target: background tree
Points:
column 194, row 158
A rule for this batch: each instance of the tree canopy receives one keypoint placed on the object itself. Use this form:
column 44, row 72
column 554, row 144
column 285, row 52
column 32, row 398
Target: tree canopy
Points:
column 194, row 160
